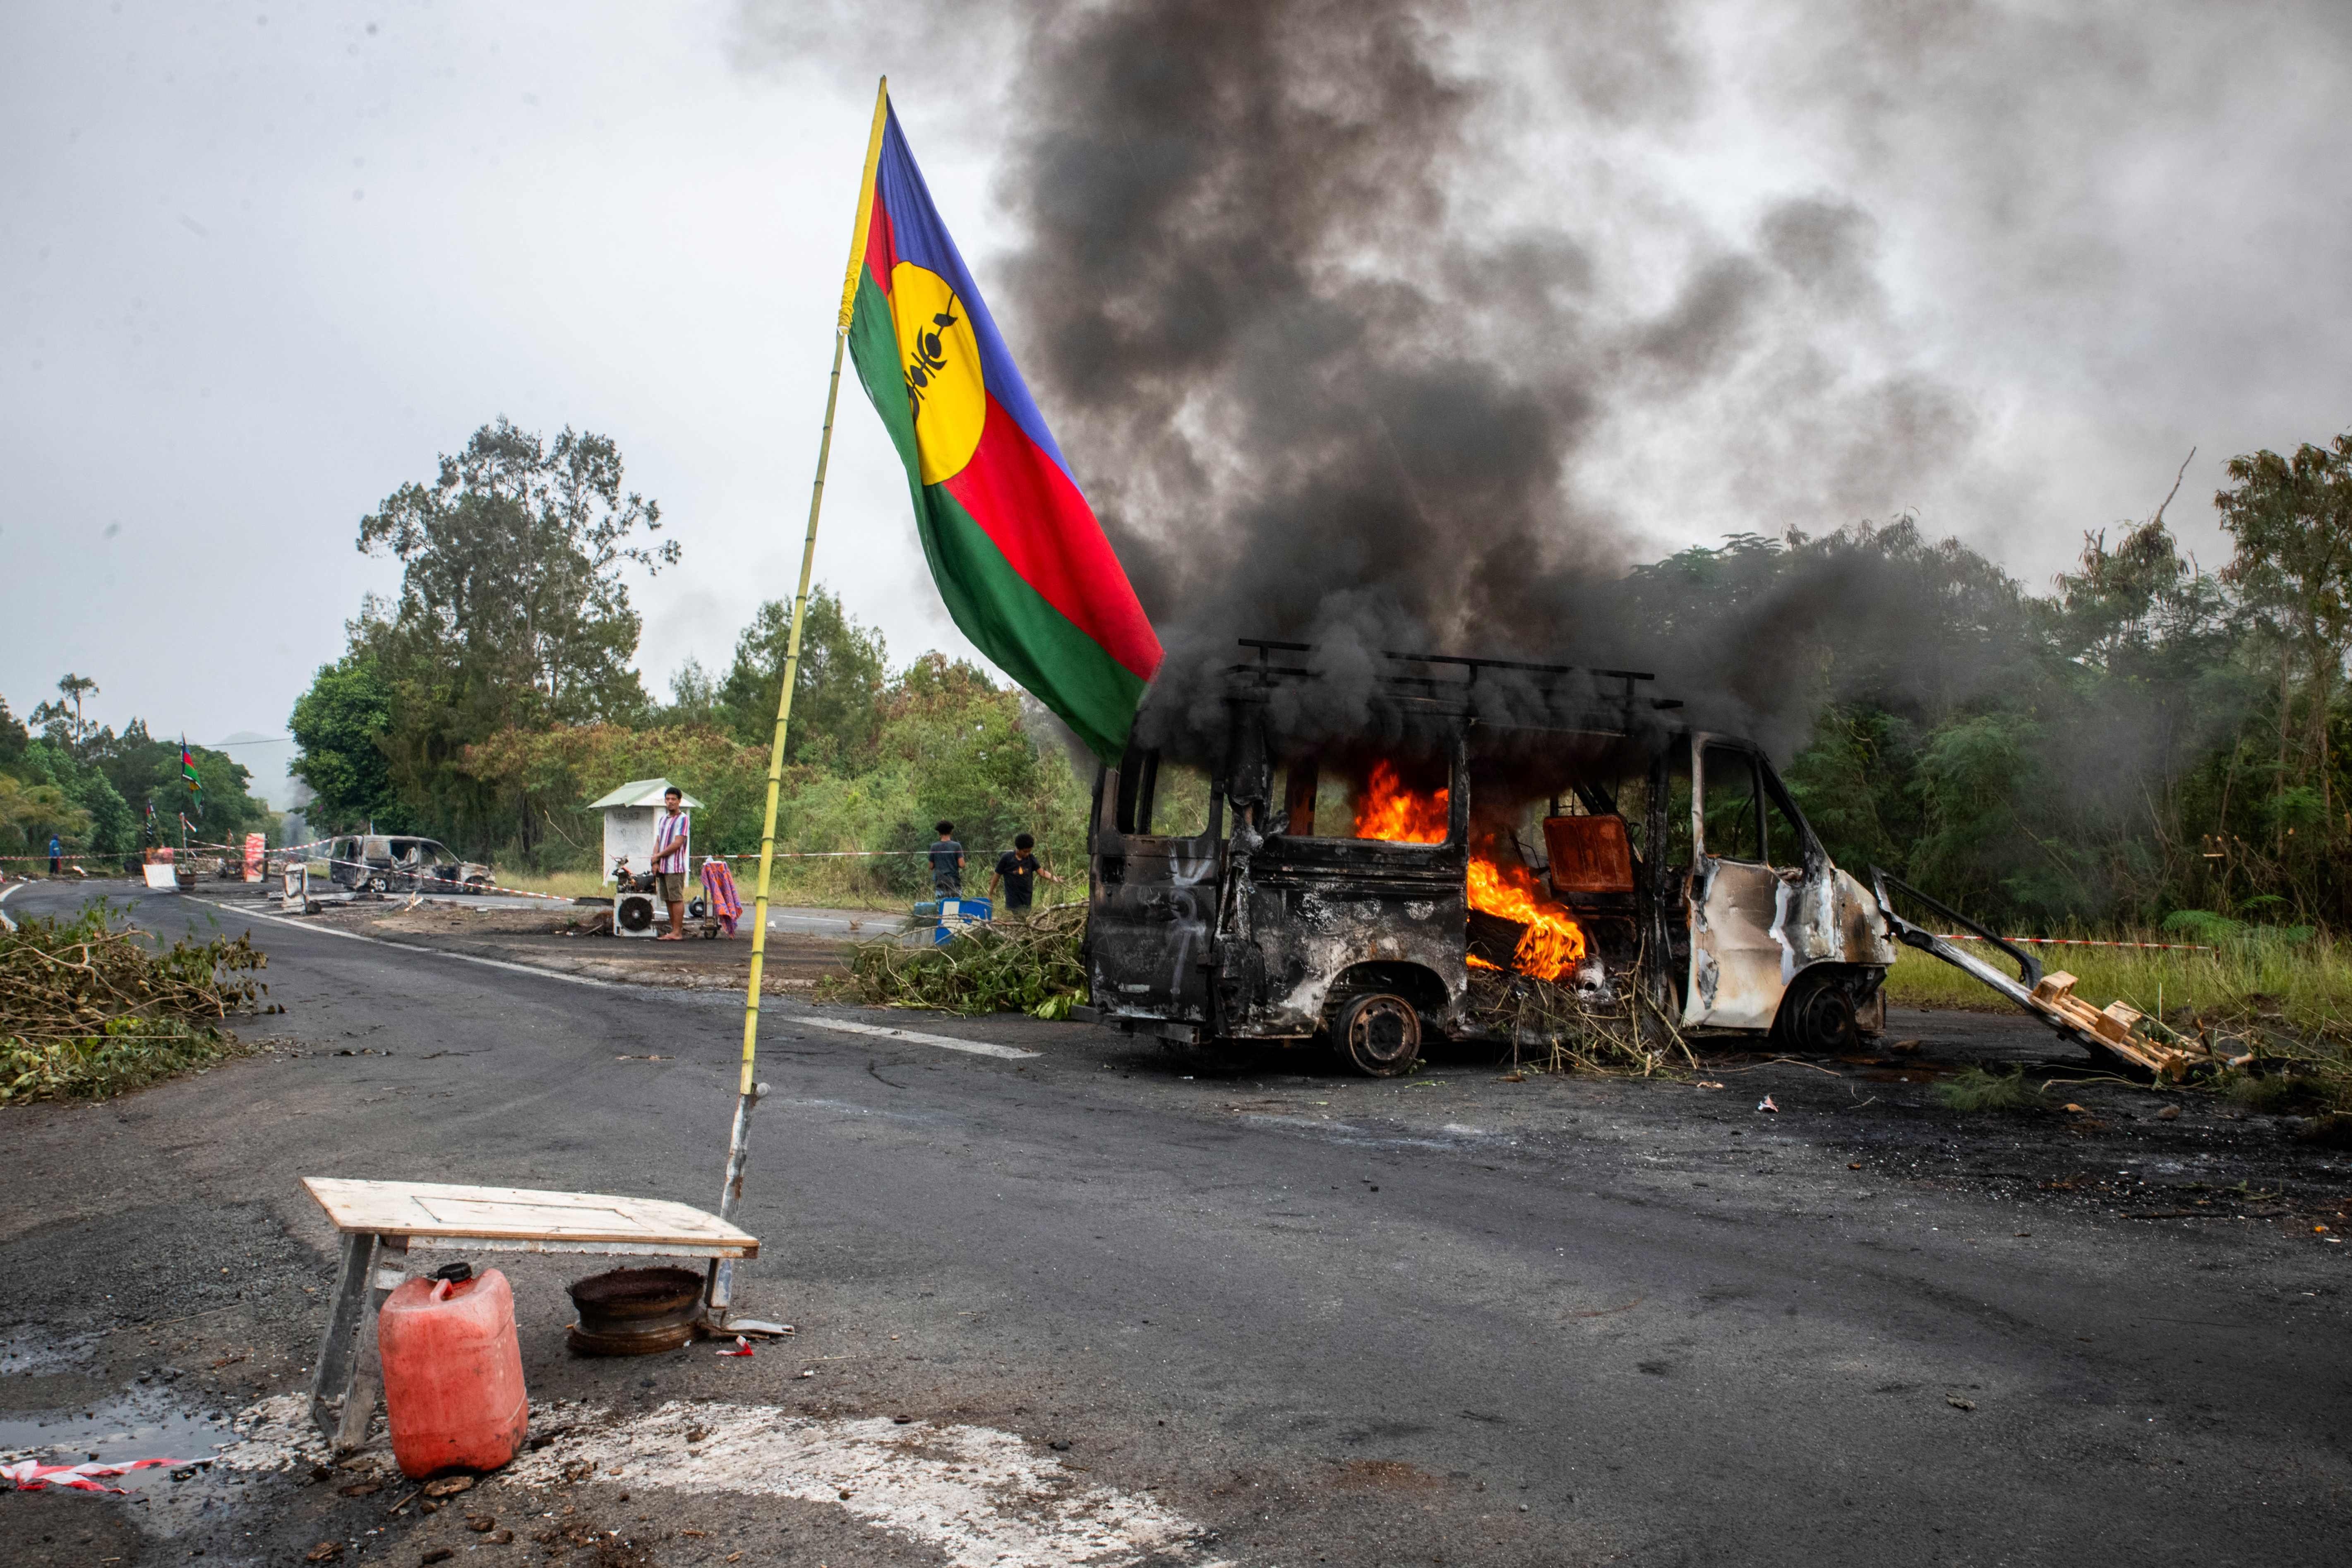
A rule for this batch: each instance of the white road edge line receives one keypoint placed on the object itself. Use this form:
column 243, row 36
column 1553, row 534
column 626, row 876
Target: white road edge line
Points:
column 945, row 1042
column 5, row 924
column 809, row 1020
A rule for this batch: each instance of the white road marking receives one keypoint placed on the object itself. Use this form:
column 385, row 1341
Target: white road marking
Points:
column 429, row 951
column 913, row 1037
column 980, row 1497
column 807, row 1020
column 5, row 924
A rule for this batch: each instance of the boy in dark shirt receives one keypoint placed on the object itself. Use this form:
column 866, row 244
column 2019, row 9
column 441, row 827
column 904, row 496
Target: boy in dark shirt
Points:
column 1018, row 869
column 947, row 863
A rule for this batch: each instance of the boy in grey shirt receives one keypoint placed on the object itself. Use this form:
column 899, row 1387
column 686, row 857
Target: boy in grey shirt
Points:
column 947, row 863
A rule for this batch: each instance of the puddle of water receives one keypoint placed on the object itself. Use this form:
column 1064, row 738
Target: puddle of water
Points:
column 38, row 1356
column 128, row 1427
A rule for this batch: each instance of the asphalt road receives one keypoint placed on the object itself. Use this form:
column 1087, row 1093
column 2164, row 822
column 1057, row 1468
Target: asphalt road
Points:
column 1449, row 1321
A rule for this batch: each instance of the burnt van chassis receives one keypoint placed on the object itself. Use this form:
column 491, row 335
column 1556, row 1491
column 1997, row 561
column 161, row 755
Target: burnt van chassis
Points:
column 1245, row 928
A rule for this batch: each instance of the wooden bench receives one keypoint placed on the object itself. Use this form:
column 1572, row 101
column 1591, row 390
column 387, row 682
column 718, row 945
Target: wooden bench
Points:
column 381, row 1222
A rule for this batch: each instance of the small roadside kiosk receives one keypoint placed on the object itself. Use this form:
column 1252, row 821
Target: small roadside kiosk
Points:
column 630, row 813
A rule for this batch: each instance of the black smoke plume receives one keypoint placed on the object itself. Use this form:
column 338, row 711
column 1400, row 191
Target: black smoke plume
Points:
column 1322, row 391
column 1327, row 359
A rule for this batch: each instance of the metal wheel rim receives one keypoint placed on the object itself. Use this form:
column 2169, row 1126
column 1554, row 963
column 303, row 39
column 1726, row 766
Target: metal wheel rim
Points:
column 1383, row 1033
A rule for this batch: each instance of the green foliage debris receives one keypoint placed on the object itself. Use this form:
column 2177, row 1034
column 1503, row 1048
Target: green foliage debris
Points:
column 89, row 1009
column 1006, row 966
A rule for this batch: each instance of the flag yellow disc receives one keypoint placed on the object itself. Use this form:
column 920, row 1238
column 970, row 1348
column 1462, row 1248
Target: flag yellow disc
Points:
column 940, row 359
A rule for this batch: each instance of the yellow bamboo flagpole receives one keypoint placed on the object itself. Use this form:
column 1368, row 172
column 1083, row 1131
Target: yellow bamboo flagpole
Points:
column 748, row 1093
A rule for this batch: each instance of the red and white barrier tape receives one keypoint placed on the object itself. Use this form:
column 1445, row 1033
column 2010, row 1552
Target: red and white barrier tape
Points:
column 819, row 854
column 32, row 1476
column 425, row 884
column 2086, row 941
column 224, row 848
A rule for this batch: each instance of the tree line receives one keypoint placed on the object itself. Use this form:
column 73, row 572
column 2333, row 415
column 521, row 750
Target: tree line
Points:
column 494, row 696
column 2146, row 737
column 105, row 794
column 2149, row 737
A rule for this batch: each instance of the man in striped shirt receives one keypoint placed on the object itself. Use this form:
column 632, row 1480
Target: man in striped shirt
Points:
column 670, row 860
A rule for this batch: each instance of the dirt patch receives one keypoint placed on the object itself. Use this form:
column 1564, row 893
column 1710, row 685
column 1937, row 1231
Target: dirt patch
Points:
column 1385, row 1476
column 448, row 919
column 558, row 939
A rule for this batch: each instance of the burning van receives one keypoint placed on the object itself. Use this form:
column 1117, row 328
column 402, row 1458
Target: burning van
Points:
column 1477, row 833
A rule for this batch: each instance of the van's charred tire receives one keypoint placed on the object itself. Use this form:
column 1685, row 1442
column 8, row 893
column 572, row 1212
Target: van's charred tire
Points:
column 1817, row 1016
column 1377, row 1034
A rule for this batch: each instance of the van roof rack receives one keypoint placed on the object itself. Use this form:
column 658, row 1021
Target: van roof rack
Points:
column 1265, row 672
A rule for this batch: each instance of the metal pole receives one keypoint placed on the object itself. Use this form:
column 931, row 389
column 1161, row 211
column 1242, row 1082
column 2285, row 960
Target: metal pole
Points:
column 748, row 1092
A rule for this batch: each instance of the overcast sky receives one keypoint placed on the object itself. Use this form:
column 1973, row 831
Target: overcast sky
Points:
column 264, row 262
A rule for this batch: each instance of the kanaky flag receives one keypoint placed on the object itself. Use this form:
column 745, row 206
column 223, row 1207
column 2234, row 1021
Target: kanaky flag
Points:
column 1015, row 550
column 188, row 775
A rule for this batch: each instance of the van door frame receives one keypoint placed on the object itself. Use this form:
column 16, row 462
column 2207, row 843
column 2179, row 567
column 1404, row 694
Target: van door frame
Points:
column 1185, row 871
column 1740, row 960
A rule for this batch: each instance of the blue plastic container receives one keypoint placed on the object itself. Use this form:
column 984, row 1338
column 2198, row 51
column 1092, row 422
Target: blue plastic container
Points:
column 955, row 914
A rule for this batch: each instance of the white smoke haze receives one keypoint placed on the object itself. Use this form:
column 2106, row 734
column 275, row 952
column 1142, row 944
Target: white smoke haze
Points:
column 1550, row 289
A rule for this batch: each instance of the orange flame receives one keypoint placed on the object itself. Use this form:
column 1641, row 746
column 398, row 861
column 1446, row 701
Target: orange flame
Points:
column 1554, row 943
column 1395, row 814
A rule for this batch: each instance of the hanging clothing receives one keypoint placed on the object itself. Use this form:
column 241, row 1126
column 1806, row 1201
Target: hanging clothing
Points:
column 718, row 891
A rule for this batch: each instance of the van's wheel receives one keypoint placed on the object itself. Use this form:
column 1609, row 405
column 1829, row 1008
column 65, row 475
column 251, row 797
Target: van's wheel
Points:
column 1818, row 1015
column 1379, row 1034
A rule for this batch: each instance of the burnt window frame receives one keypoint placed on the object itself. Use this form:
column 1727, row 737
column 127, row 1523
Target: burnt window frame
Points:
column 1456, row 760
column 1702, row 774
column 1134, row 798
column 1809, row 855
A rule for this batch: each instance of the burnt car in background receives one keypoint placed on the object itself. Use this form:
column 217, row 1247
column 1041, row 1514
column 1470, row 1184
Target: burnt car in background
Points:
column 1372, row 883
column 401, row 863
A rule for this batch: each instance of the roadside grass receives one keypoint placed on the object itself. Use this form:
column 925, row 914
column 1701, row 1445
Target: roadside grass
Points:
column 2283, row 997
column 89, row 1010
column 2307, row 982
column 564, row 884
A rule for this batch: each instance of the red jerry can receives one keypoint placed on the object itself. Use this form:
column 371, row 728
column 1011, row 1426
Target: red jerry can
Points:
column 452, row 1375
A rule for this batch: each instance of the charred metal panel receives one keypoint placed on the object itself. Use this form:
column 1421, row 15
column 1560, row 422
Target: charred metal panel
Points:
column 1736, row 952
column 1152, row 946
column 1740, row 954
column 1864, row 936
column 1152, row 911
column 1755, row 927
column 1311, row 928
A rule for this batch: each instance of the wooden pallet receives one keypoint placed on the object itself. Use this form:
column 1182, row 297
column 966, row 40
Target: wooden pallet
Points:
column 2109, row 1029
